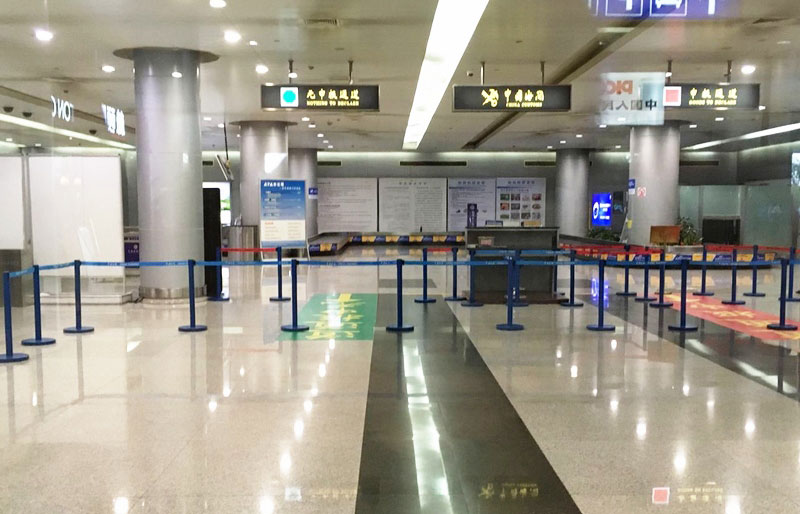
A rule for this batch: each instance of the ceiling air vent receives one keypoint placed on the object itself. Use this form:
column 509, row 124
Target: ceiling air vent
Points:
column 772, row 22
column 688, row 162
column 329, row 163
column 433, row 163
column 321, row 23
column 539, row 164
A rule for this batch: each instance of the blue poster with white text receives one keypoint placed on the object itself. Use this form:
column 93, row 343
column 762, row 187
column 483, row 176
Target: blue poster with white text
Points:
column 283, row 213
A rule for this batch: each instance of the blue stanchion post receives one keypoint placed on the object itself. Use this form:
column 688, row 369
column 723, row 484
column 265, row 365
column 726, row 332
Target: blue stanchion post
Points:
column 734, row 262
column 782, row 325
column 218, row 296
column 280, row 297
column 703, row 275
column 790, row 297
column 627, row 293
column 600, row 326
column 518, row 301
column 424, row 298
column 192, row 326
column 754, row 291
column 646, row 275
column 572, row 302
column 661, row 304
column 471, row 302
column 37, row 340
column 683, row 327
column 9, row 356
column 399, row 326
column 79, row 328
column 294, row 327
column 509, row 325
column 455, row 297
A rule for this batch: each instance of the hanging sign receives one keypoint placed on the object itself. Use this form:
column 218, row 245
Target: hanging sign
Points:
column 330, row 97
column 632, row 98
column 688, row 9
column 712, row 96
column 512, row 98
column 62, row 109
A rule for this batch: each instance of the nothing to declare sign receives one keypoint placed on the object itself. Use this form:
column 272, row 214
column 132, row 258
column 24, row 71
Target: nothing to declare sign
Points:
column 512, row 98
column 330, row 97
column 712, row 96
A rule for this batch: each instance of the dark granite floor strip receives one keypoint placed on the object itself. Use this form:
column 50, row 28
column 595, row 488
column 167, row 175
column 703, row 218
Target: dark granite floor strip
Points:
column 440, row 435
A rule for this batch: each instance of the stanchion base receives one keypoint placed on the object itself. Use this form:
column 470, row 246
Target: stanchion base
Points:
column 455, row 298
column 219, row 299
column 190, row 328
column 601, row 328
column 661, row 305
column 400, row 328
column 471, row 304
column 78, row 330
column 510, row 327
column 626, row 295
column 294, row 328
column 571, row 304
column 700, row 293
column 14, row 357
column 678, row 328
column 646, row 299
column 424, row 300
column 754, row 295
column 793, row 299
column 521, row 303
column 733, row 302
column 783, row 328
column 279, row 299
column 38, row 342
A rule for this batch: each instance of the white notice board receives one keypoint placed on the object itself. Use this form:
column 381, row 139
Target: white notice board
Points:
column 408, row 204
column 347, row 205
column 520, row 200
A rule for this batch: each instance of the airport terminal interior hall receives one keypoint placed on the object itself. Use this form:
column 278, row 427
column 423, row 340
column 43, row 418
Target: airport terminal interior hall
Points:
column 399, row 257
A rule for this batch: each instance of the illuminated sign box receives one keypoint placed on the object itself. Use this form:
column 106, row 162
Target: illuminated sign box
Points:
column 325, row 97
column 601, row 210
column 512, row 98
column 712, row 96
column 687, row 9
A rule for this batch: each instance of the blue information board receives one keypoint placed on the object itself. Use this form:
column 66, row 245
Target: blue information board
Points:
column 601, row 209
column 283, row 213
column 689, row 9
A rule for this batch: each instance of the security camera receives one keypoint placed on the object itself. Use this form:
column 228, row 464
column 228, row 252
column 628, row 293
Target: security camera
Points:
column 8, row 109
column 92, row 131
column 27, row 114
column 470, row 74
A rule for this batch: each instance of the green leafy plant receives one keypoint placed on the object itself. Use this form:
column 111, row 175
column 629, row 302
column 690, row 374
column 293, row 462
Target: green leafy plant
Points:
column 689, row 234
column 603, row 234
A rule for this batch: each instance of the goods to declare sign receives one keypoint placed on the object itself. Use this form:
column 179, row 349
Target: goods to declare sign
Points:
column 712, row 96
column 601, row 210
column 283, row 213
column 331, row 97
column 512, row 98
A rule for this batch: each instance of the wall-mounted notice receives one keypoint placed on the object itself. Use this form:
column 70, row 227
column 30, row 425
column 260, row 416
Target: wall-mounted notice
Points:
column 521, row 199
column 461, row 192
column 408, row 205
column 347, row 205
column 283, row 213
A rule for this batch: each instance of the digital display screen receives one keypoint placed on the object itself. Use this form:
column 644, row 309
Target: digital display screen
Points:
column 601, row 209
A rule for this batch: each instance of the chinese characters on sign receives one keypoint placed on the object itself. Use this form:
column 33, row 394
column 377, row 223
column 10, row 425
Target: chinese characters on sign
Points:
column 324, row 97
column 508, row 491
column 283, row 213
column 115, row 120
column 632, row 99
column 711, row 96
column 512, row 98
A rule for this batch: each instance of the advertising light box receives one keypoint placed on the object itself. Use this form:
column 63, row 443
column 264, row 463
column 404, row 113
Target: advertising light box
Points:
column 601, row 209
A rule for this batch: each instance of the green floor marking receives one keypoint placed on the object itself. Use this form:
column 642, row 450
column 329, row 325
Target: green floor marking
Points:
column 343, row 317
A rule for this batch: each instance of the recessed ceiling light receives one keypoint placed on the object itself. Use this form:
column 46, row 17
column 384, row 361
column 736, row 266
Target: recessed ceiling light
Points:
column 292, row 74
column 563, row 142
column 549, row 147
column 784, row 42
column 221, row 125
column 618, row 147
column 177, row 74
column 325, row 141
column 330, row 146
column 231, row 36
column 579, row 136
column 217, row 4
column 762, row 107
column 305, row 118
column 603, row 126
column 668, row 74
column 621, row 118
column 108, row 68
column 38, row 145
column 238, row 135
column 253, row 43
column 9, row 140
column 748, row 69
column 43, row 35
column 312, row 125
column 261, row 69
column 693, row 125
column 206, row 118
column 271, row 109
column 320, row 135
column 269, row 84
column 719, row 118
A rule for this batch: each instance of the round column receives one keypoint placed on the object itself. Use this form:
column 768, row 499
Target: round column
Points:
column 655, row 163
column 303, row 166
column 170, row 174
column 572, row 192
column 264, row 155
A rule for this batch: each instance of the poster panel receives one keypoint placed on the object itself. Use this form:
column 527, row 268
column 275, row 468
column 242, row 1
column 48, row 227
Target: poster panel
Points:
column 283, row 213
column 521, row 200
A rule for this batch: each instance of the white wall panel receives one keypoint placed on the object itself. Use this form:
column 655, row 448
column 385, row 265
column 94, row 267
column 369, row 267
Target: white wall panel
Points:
column 12, row 210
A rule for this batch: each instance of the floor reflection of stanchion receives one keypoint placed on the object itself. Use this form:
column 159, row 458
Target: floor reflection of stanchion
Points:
column 399, row 326
column 684, row 286
column 600, row 326
column 734, row 262
column 754, row 263
column 424, row 298
column 571, row 302
column 782, row 325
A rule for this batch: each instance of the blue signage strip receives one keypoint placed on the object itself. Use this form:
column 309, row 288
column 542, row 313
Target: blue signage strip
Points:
column 688, row 9
column 283, row 213
column 601, row 209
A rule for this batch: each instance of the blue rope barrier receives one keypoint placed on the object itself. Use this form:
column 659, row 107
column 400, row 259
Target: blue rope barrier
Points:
column 49, row 267
column 15, row 274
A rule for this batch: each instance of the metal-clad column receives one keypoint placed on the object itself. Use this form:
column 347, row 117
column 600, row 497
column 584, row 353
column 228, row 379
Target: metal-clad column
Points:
column 303, row 166
column 170, row 175
column 572, row 192
column 264, row 155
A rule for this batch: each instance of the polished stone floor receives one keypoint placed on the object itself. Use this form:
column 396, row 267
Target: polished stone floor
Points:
column 137, row 417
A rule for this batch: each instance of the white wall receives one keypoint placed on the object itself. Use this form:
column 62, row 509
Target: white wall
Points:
column 12, row 210
column 76, row 211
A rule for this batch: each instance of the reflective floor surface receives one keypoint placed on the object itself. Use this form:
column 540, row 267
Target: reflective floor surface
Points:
column 453, row 417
